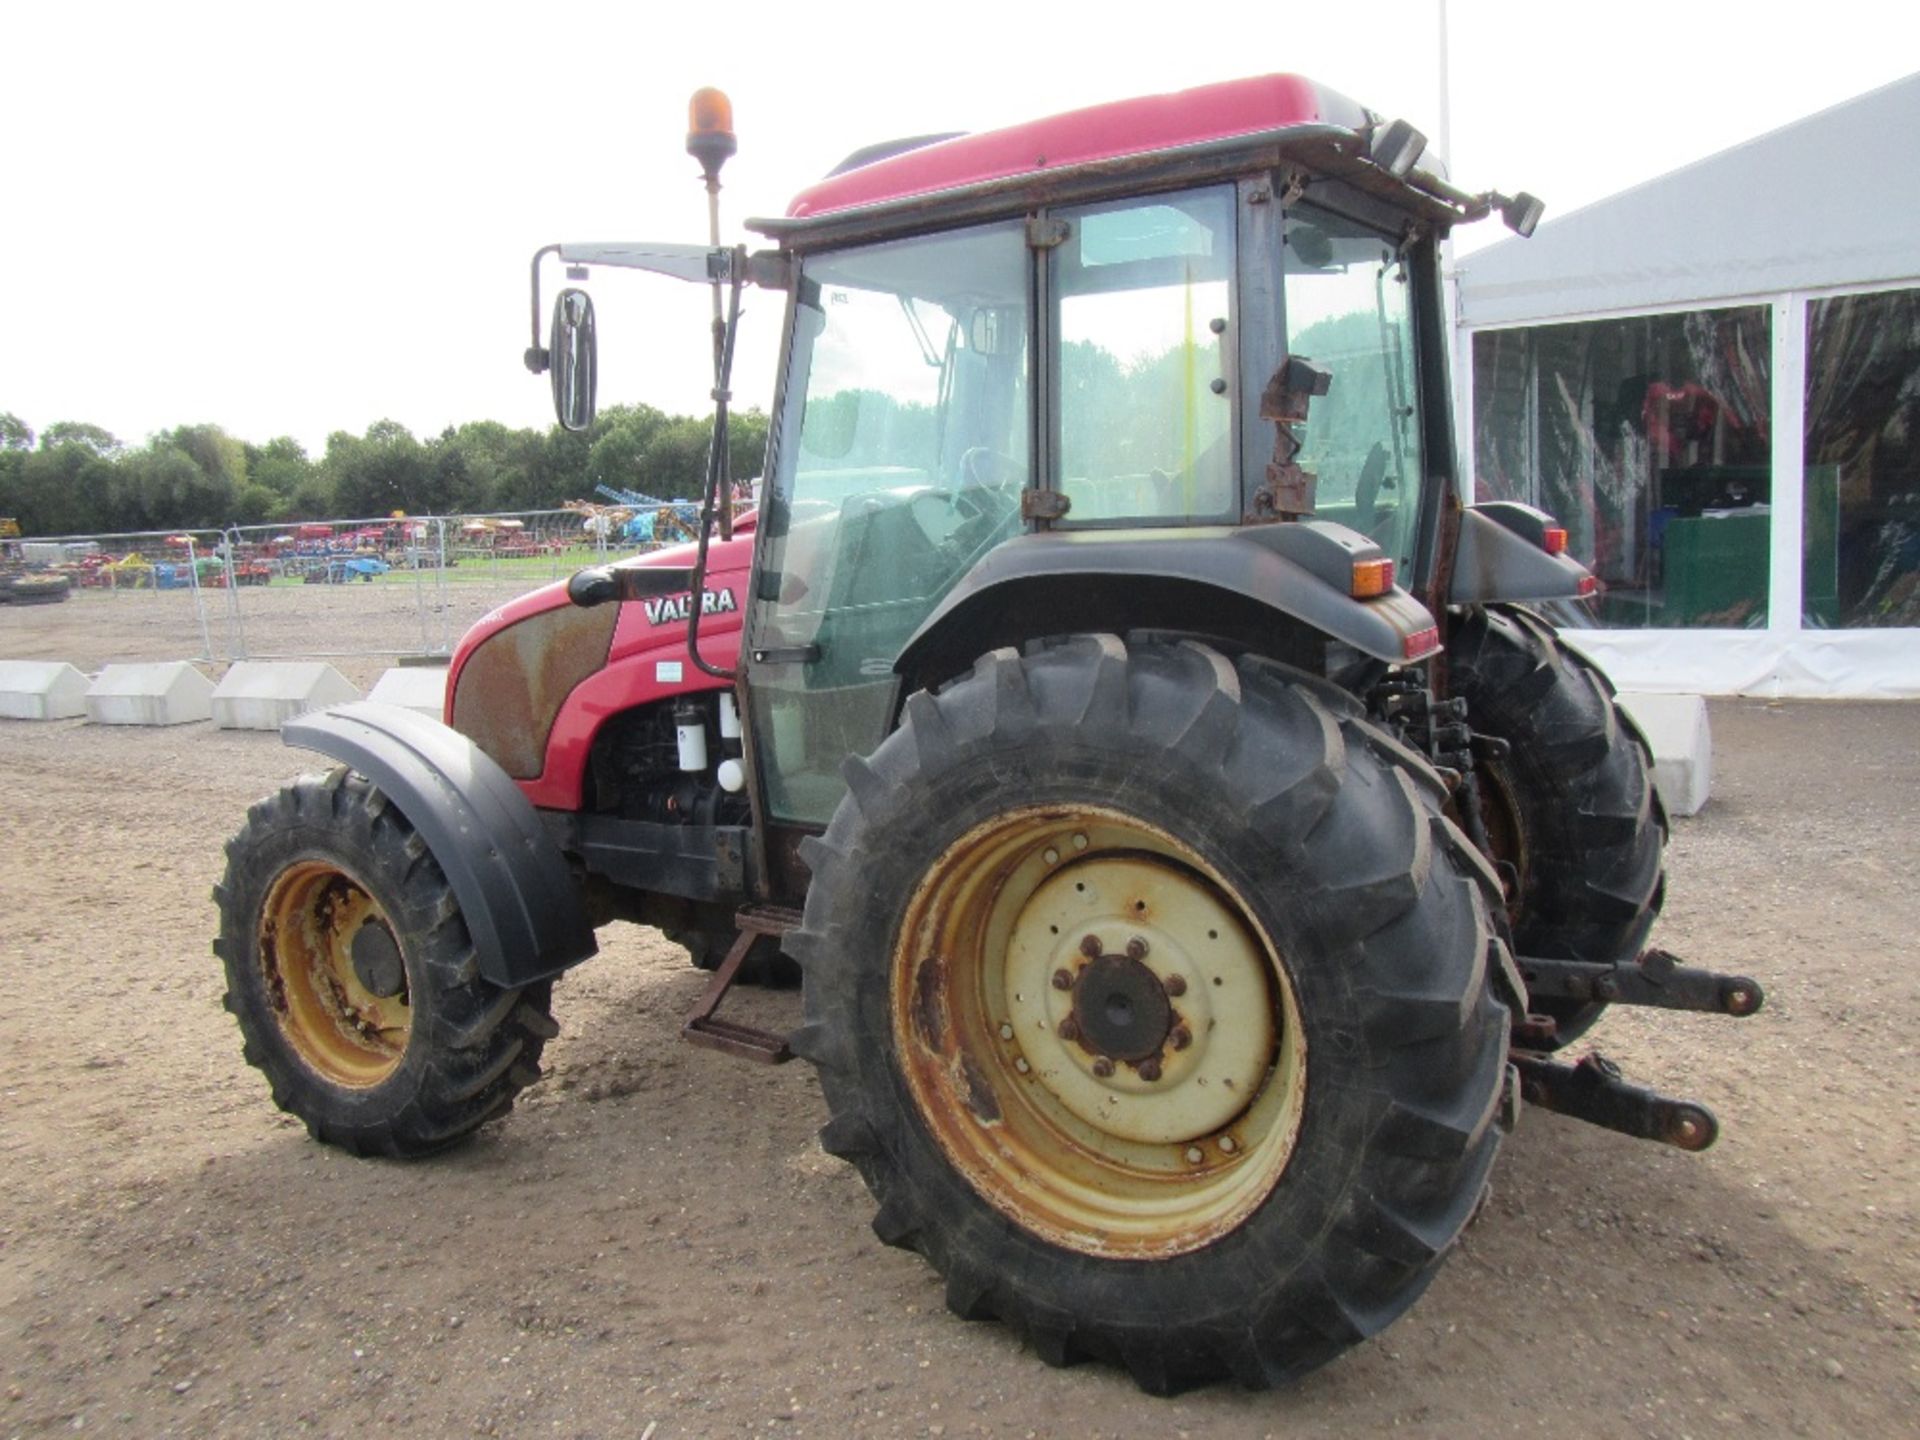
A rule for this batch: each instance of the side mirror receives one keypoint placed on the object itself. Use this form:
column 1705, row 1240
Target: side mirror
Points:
column 573, row 358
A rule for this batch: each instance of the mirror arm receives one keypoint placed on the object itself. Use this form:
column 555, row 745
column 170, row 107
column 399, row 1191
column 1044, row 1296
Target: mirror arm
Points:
column 537, row 358
column 717, row 477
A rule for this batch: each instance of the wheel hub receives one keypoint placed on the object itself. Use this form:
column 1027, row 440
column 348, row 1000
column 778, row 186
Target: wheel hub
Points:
column 376, row 961
column 1138, row 1000
column 1120, row 1007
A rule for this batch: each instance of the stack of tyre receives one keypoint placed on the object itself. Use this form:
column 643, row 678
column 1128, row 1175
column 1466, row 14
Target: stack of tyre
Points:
column 34, row 589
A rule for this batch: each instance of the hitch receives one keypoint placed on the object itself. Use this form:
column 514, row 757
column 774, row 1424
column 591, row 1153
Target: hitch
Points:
column 1594, row 1092
column 1656, row 978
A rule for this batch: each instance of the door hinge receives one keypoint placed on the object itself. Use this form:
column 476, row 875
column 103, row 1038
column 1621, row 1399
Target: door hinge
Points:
column 1044, row 505
column 1044, row 232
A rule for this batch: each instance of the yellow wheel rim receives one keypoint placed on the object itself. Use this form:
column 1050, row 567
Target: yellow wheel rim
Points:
column 1097, row 1032
column 314, row 916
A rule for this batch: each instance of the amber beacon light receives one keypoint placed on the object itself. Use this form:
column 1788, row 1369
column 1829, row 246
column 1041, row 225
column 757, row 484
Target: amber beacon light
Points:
column 710, row 129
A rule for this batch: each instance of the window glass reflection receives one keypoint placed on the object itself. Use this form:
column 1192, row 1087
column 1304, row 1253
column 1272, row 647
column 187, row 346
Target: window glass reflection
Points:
column 1862, row 536
column 1650, row 439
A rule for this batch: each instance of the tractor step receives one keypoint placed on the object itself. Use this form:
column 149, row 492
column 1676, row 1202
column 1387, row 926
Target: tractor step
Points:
column 1594, row 1092
column 706, row 1029
column 1656, row 978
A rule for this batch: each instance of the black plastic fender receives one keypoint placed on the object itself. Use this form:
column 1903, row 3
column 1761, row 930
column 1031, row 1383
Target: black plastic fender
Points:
column 1500, row 557
column 520, row 903
column 1289, row 568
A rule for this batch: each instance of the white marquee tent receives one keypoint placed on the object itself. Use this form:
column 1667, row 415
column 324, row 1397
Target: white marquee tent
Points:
column 1714, row 378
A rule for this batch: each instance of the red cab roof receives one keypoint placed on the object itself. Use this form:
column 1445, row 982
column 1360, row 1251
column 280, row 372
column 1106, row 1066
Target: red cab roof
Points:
column 1140, row 126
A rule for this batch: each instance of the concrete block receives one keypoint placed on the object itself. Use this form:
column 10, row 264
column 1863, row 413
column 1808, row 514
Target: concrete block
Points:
column 265, row 694
column 1676, row 729
column 413, row 687
column 170, row 692
column 41, row 690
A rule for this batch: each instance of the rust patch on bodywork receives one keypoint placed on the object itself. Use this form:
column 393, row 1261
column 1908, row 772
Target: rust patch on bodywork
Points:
column 513, row 685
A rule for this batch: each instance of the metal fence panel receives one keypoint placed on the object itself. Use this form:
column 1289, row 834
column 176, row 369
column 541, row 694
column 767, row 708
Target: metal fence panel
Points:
column 492, row 559
column 337, row 587
column 140, row 595
column 388, row 586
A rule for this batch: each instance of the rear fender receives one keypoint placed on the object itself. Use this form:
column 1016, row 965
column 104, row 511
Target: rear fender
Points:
column 520, row 902
column 1062, row 581
column 1501, row 557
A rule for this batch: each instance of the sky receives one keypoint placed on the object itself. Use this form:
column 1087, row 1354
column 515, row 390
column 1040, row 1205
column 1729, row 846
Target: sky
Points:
column 291, row 220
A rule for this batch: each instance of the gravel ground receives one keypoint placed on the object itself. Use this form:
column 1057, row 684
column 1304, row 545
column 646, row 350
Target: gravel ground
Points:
column 653, row 1237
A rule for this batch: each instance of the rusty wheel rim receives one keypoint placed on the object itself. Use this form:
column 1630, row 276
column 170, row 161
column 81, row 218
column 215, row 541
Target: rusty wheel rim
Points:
column 314, row 916
column 1097, row 1033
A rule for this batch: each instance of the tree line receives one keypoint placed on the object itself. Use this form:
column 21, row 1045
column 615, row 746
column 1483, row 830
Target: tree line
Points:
column 73, row 478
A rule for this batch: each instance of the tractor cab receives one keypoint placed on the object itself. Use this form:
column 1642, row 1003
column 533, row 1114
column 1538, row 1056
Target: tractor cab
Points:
column 1049, row 370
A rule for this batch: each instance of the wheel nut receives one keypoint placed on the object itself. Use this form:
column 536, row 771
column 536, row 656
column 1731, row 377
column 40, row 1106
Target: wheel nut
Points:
column 1181, row 1037
column 1090, row 946
column 1228, row 1145
column 1051, row 856
column 1006, row 1032
column 1136, row 949
column 1021, row 1065
column 1103, row 1067
column 1176, row 985
column 1069, row 1029
column 1063, row 979
column 1195, row 1154
column 1079, row 842
column 1149, row 1069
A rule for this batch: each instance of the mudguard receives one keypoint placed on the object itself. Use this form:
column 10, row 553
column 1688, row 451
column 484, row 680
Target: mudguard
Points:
column 1288, row 568
column 1500, row 557
column 520, row 903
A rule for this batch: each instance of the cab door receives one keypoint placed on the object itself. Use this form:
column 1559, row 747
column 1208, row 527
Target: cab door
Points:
column 902, row 449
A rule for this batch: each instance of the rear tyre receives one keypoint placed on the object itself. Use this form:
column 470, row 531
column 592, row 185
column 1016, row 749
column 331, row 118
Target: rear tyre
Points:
column 356, row 987
column 1572, row 807
column 1283, row 1083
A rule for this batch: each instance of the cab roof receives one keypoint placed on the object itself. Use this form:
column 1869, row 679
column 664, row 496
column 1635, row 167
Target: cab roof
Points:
column 1146, row 125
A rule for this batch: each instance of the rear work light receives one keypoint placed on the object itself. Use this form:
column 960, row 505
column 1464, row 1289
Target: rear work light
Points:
column 1554, row 540
column 1371, row 578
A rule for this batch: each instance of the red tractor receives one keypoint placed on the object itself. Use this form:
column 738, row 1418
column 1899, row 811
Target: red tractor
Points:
column 1193, row 843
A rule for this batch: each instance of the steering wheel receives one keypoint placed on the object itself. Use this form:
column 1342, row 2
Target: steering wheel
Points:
column 982, row 468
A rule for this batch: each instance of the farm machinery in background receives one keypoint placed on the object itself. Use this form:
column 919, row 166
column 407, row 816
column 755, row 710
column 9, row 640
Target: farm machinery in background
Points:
column 1196, row 849
column 24, row 581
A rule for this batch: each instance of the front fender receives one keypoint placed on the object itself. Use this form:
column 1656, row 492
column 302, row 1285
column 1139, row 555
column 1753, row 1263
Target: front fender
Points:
column 520, row 903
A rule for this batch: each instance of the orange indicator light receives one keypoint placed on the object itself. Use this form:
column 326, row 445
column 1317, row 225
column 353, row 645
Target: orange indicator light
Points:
column 1370, row 578
column 1554, row 540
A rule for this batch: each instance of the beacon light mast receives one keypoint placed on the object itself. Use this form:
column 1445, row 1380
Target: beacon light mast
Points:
column 711, row 141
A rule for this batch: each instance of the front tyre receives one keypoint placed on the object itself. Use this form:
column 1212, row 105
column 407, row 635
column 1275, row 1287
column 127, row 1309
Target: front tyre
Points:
column 354, row 982
column 1571, row 807
column 1159, row 1007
